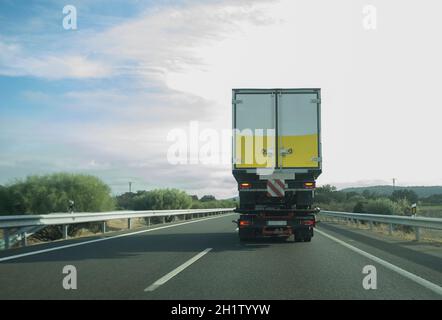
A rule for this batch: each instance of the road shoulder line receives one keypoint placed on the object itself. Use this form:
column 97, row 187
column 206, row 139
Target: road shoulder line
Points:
column 411, row 276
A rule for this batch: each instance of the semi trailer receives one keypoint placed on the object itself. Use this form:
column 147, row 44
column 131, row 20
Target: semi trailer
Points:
column 276, row 161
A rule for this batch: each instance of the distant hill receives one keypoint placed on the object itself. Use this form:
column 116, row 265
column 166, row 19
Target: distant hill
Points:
column 421, row 191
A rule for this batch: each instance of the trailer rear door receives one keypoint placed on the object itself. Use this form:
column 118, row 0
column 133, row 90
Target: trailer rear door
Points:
column 254, row 121
column 298, row 129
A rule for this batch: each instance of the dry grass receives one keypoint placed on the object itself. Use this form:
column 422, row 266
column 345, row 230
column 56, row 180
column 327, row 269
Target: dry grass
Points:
column 434, row 211
column 427, row 235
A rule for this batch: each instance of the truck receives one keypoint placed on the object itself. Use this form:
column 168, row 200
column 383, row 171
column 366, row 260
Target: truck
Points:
column 276, row 160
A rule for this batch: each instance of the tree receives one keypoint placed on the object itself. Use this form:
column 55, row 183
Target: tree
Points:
column 359, row 207
column 328, row 193
column 51, row 193
column 327, row 188
column 207, row 198
column 162, row 199
column 406, row 194
column 367, row 194
column 5, row 201
column 433, row 199
column 351, row 195
column 380, row 206
column 125, row 201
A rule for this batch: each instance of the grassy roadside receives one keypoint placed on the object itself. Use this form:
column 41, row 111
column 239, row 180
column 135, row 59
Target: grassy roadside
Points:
column 430, row 211
column 427, row 235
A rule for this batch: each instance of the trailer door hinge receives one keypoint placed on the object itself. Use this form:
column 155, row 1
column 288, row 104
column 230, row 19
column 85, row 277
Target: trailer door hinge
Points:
column 236, row 101
column 315, row 100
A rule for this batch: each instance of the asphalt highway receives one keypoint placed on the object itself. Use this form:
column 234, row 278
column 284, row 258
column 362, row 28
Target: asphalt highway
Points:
column 203, row 259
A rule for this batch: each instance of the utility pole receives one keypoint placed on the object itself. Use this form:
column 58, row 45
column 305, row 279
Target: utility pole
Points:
column 394, row 183
column 130, row 187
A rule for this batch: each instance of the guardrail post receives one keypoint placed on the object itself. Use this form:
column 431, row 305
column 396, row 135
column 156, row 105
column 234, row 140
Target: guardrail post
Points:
column 390, row 229
column 418, row 233
column 371, row 225
column 6, row 238
column 65, row 231
column 148, row 221
column 24, row 239
column 129, row 223
column 164, row 219
column 103, row 226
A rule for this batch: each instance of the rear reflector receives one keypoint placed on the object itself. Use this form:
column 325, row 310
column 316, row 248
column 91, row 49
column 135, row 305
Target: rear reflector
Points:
column 245, row 185
column 309, row 185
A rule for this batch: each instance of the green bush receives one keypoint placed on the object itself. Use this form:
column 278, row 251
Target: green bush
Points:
column 359, row 207
column 381, row 206
column 408, row 195
column 51, row 193
column 162, row 199
column 213, row 204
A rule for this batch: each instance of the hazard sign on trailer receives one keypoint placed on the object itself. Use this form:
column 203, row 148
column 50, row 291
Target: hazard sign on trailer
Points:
column 275, row 188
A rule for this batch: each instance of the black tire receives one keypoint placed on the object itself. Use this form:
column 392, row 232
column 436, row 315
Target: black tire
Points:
column 307, row 238
column 297, row 238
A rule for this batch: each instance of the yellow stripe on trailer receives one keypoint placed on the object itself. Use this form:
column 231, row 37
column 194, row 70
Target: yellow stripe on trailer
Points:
column 302, row 151
column 255, row 151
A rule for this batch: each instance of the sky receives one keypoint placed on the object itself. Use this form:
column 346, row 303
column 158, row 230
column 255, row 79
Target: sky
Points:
column 104, row 98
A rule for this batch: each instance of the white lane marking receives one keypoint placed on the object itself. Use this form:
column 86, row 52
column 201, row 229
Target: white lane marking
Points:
column 174, row 272
column 425, row 283
column 107, row 238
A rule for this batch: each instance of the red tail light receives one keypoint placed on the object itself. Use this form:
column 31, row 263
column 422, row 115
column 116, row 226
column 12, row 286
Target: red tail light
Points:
column 243, row 223
column 308, row 222
column 309, row 185
column 245, row 185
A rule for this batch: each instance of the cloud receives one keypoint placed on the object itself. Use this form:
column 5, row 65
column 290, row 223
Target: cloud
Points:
column 15, row 62
column 173, row 64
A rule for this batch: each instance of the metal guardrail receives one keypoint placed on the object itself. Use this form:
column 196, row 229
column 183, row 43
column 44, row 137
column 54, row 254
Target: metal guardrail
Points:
column 412, row 221
column 65, row 219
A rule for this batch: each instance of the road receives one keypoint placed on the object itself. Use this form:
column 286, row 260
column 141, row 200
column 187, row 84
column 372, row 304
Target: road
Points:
column 204, row 260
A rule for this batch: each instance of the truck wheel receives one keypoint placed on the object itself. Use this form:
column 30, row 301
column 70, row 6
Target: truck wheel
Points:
column 307, row 238
column 297, row 238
